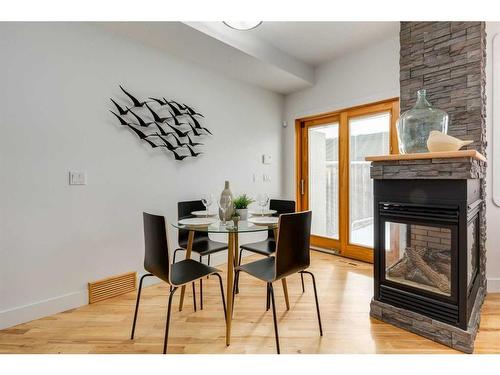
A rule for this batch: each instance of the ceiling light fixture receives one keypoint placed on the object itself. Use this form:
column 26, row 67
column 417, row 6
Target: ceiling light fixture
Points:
column 242, row 25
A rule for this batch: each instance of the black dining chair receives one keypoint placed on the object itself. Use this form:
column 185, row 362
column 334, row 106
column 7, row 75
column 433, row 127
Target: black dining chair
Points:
column 292, row 256
column 202, row 244
column 156, row 262
column 268, row 246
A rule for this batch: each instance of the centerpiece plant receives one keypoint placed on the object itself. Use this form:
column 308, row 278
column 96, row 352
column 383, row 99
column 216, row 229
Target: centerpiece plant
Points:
column 241, row 203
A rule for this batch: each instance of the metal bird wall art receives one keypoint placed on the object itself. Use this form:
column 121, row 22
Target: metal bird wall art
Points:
column 162, row 123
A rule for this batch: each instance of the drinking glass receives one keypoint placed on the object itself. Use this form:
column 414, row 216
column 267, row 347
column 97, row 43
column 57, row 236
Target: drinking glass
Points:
column 262, row 200
column 207, row 200
column 224, row 205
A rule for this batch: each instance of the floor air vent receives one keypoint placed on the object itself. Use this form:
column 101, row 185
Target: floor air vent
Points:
column 112, row 286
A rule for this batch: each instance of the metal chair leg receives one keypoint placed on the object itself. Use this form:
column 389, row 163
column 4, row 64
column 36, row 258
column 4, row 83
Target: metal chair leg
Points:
column 237, row 281
column 268, row 299
column 316, row 298
column 194, row 295
column 222, row 294
column 302, row 280
column 201, row 290
column 167, row 325
column 201, row 294
column 137, row 304
column 208, row 263
column 271, row 292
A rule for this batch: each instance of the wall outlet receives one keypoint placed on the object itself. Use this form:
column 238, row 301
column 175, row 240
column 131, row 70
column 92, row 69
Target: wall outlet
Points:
column 266, row 159
column 77, row 178
column 266, row 178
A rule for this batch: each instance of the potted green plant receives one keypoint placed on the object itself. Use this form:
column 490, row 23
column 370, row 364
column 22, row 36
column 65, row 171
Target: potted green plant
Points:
column 241, row 205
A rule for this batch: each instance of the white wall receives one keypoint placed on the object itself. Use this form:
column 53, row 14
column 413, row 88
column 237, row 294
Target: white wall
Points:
column 55, row 85
column 366, row 76
column 492, row 210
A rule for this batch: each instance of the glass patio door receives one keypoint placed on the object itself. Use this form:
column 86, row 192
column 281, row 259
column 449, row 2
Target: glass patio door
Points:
column 334, row 179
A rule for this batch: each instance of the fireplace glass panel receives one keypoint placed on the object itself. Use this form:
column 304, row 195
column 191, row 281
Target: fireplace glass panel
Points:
column 418, row 256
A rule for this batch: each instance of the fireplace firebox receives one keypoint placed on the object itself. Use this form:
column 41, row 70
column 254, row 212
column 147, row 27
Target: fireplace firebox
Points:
column 427, row 246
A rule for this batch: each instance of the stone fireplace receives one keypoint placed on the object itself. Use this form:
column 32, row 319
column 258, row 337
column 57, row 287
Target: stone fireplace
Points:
column 430, row 227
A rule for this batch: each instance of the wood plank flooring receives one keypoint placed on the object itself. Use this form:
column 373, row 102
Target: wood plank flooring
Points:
column 344, row 288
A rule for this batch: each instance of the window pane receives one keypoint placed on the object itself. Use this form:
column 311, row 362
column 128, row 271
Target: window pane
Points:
column 324, row 179
column 369, row 135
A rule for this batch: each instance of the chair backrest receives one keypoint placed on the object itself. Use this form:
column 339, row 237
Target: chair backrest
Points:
column 184, row 210
column 156, row 251
column 292, row 245
column 281, row 207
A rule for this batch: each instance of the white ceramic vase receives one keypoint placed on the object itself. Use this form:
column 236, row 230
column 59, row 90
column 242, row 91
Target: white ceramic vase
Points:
column 242, row 213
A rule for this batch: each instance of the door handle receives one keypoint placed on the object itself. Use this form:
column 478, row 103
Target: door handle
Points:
column 302, row 187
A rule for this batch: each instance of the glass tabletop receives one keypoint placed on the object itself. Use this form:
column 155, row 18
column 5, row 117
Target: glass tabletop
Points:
column 218, row 227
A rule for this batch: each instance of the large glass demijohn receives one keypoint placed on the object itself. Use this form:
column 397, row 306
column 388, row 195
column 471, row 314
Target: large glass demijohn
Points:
column 415, row 125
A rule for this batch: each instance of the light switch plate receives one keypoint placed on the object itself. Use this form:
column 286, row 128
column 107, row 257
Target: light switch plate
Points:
column 266, row 159
column 77, row 178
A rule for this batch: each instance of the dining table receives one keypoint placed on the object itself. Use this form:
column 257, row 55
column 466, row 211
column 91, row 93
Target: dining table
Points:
column 232, row 230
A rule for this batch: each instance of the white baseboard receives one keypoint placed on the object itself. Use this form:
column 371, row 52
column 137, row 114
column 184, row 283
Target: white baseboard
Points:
column 493, row 285
column 50, row 306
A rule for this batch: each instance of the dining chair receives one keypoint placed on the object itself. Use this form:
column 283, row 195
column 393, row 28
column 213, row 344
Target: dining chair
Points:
column 202, row 244
column 292, row 256
column 268, row 246
column 156, row 262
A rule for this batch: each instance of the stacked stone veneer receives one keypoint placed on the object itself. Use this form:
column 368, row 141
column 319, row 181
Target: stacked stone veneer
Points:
column 456, row 168
column 448, row 59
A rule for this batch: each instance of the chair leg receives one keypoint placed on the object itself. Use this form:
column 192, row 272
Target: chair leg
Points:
column 201, row 294
column 268, row 299
column 208, row 263
column 237, row 281
column 271, row 292
column 137, row 304
column 194, row 296
column 316, row 298
column 201, row 290
column 167, row 325
column 222, row 294
column 302, row 280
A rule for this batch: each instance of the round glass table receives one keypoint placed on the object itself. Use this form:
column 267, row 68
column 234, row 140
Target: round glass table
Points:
column 232, row 255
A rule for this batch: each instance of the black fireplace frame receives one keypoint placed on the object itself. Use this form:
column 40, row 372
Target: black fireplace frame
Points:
column 460, row 196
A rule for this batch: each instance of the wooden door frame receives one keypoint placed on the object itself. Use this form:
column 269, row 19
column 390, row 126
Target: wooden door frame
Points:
column 343, row 245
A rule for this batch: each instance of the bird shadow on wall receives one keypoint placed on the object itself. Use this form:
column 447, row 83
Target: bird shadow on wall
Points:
column 163, row 123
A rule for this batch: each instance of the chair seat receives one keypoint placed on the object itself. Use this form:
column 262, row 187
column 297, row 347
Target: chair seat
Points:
column 189, row 270
column 205, row 246
column 266, row 247
column 262, row 269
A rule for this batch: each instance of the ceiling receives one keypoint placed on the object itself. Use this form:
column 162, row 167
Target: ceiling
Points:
column 278, row 56
column 317, row 42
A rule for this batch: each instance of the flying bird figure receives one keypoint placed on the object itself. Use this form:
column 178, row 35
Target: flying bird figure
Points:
column 173, row 108
column 192, row 152
column 191, row 111
column 195, row 131
column 140, row 134
column 178, row 142
column 176, row 121
column 141, row 121
column 162, row 131
column 155, row 115
column 159, row 101
column 179, row 157
column 121, row 111
column 177, row 131
column 197, row 125
column 136, row 102
column 191, row 143
column 122, row 121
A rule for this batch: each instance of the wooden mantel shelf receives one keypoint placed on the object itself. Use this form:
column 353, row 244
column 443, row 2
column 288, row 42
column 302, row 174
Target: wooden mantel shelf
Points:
column 429, row 155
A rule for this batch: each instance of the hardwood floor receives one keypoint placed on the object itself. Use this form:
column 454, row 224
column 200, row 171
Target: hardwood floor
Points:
column 344, row 288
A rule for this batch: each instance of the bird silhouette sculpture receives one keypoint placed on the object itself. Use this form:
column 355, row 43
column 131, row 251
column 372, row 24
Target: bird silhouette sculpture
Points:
column 172, row 124
column 136, row 102
column 121, row 111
